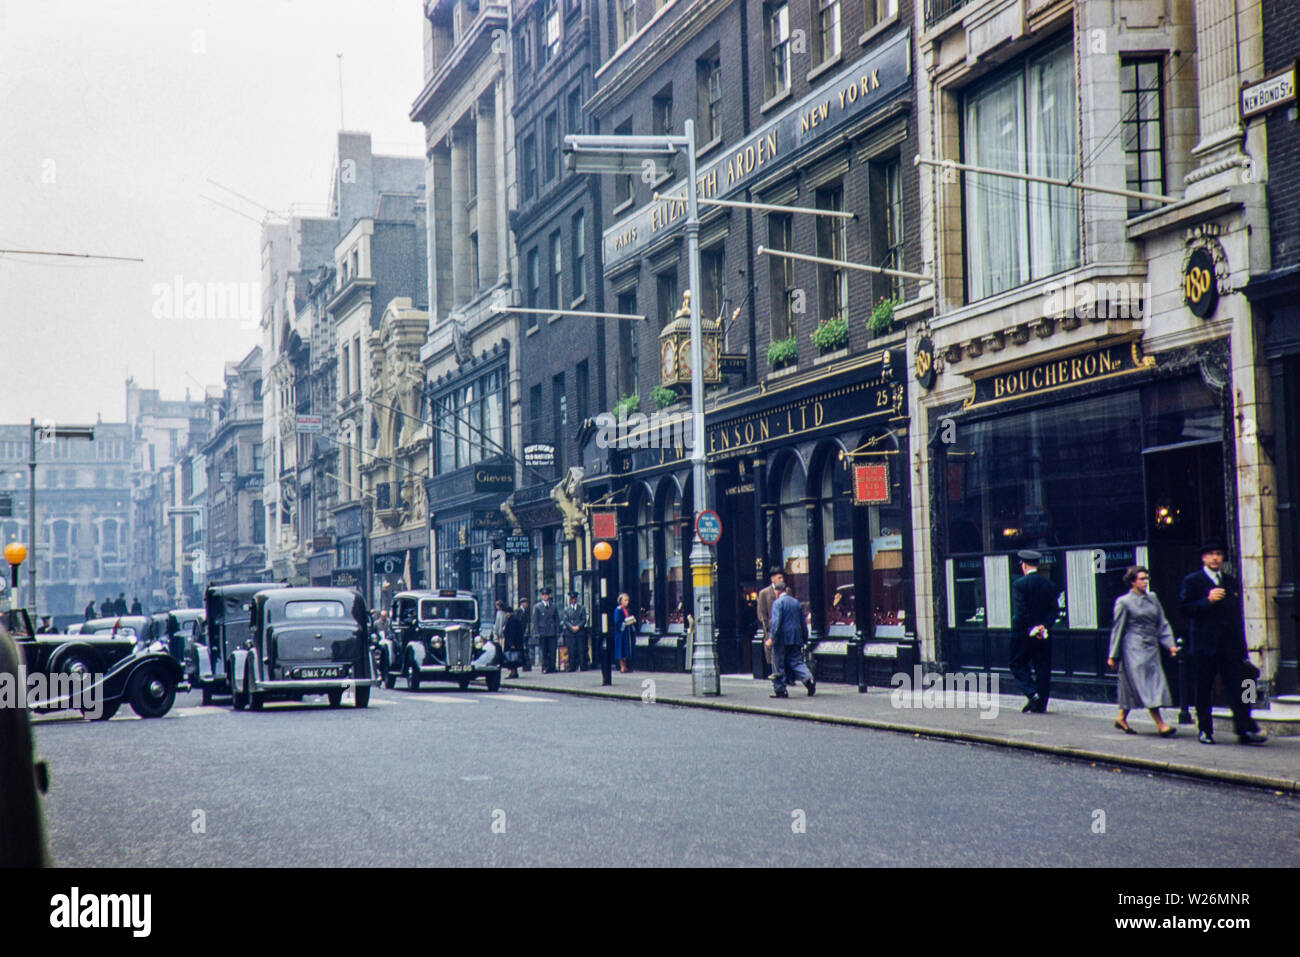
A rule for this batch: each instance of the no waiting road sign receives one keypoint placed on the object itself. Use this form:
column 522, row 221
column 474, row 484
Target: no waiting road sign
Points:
column 708, row 525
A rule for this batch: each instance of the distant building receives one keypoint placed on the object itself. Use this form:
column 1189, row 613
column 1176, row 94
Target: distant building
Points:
column 235, row 547
column 83, row 508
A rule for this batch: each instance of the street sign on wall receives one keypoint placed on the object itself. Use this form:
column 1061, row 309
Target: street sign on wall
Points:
column 310, row 424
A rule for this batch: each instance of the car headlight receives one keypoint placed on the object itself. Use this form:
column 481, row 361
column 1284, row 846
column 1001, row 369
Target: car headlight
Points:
column 478, row 642
column 437, row 641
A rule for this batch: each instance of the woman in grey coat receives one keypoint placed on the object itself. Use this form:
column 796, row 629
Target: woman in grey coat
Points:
column 1139, row 630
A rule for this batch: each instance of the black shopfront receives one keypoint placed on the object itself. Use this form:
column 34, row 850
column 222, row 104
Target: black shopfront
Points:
column 779, row 466
column 1099, row 459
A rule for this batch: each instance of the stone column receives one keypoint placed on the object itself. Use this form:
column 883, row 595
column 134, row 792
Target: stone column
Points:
column 462, row 283
column 441, row 291
column 501, row 181
column 485, row 126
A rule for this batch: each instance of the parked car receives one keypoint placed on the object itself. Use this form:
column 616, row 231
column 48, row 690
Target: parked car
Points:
column 434, row 637
column 303, row 641
column 227, row 612
column 127, row 665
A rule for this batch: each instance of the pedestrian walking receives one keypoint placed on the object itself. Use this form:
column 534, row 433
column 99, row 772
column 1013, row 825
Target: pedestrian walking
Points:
column 512, row 640
column 765, row 598
column 499, row 623
column 546, row 628
column 136, row 607
column 574, row 621
column 530, row 643
column 1210, row 599
column 1140, row 628
column 90, row 609
column 106, row 608
column 1034, row 610
column 624, row 632
column 119, row 606
column 786, row 641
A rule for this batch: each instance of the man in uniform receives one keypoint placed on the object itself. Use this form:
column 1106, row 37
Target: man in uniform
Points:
column 574, row 621
column 1034, row 610
column 546, row 629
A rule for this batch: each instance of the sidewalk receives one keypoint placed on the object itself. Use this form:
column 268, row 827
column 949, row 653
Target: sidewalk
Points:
column 1075, row 729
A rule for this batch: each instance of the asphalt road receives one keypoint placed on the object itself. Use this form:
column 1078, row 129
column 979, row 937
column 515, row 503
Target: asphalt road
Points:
column 444, row 777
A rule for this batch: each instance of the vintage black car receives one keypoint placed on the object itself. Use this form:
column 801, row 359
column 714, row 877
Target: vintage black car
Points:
column 303, row 641
column 434, row 637
column 227, row 612
column 119, row 658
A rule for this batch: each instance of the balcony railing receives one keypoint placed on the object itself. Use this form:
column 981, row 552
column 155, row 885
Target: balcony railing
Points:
column 936, row 10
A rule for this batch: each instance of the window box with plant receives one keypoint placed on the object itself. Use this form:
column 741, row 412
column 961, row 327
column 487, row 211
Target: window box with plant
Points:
column 831, row 334
column 882, row 317
column 626, row 406
column 663, row 397
column 783, row 352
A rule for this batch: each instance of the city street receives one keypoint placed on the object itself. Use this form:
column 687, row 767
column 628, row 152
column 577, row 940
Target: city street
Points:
column 444, row 777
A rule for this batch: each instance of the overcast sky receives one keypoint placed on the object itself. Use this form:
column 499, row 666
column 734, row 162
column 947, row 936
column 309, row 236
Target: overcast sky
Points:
column 114, row 114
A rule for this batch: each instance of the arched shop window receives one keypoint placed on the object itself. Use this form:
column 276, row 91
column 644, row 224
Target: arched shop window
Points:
column 838, row 598
column 885, row 532
column 794, row 528
column 645, row 567
column 673, row 559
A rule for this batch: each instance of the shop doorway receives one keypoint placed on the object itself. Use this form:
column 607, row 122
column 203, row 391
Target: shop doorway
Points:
column 1185, row 505
column 747, row 566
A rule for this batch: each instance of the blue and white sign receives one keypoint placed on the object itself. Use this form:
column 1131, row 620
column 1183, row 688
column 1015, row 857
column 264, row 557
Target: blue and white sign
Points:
column 708, row 525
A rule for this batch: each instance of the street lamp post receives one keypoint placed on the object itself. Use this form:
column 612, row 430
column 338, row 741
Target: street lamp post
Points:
column 624, row 154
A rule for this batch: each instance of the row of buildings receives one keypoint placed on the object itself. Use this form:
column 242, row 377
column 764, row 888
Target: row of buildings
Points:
column 1096, row 356
column 1099, row 373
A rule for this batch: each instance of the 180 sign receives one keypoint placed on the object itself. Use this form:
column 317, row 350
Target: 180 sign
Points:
column 1200, row 291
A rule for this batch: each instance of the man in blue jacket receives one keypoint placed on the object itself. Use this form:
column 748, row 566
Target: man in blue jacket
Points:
column 1034, row 610
column 1211, row 600
column 786, row 641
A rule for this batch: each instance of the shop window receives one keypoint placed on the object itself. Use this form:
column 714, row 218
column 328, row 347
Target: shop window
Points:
column 838, row 601
column 645, row 568
column 673, row 562
column 794, row 529
column 1023, row 121
column 1142, row 120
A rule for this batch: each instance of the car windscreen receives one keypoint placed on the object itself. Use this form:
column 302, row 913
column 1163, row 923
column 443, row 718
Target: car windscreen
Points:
column 316, row 609
column 448, row 609
column 123, row 631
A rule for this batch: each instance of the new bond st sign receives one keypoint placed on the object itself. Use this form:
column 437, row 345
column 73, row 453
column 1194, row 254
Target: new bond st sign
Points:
column 856, row 91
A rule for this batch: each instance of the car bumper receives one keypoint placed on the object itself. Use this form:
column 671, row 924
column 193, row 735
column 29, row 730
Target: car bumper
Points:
column 312, row 685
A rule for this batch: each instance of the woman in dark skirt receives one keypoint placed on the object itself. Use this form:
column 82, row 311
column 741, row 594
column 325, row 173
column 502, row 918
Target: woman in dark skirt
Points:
column 624, row 632
column 1139, row 630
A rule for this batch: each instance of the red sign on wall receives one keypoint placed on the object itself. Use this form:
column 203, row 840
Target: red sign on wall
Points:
column 871, row 484
column 604, row 525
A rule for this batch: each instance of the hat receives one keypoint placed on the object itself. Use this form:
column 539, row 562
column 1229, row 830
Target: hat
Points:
column 545, row 590
column 573, row 594
column 1213, row 544
column 1029, row 556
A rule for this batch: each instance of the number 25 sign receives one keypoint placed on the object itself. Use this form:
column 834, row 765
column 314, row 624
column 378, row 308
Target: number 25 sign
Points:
column 1200, row 291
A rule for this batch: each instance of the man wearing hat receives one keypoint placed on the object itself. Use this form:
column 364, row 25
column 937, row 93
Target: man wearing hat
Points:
column 1211, row 600
column 1034, row 610
column 574, row 621
column 546, row 629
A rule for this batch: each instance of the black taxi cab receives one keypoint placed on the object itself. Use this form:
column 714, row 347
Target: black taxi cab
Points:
column 303, row 641
column 434, row 636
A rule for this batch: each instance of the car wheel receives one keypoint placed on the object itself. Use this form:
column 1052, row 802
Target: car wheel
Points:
column 151, row 692
column 412, row 676
column 336, row 698
column 464, row 683
column 108, row 711
column 238, row 699
column 494, row 681
column 363, row 697
column 79, row 663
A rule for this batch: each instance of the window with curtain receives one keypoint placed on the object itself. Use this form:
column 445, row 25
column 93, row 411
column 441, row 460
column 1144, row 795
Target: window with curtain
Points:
column 673, row 561
column 828, row 30
column 1022, row 121
column 794, row 529
column 645, row 566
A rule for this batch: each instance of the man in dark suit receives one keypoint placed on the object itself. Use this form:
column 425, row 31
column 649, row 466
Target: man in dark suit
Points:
column 1034, row 610
column 546, row 628
column 1211, row 600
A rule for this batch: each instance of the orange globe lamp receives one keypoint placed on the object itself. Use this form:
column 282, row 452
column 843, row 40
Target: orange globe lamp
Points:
column 15, row 553
column 602, row 551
